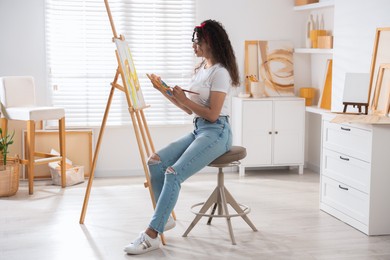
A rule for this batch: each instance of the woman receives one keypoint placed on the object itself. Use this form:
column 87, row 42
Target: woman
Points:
column 211, row 137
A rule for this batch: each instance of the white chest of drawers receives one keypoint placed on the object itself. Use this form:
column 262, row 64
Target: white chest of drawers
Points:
column 355, row 175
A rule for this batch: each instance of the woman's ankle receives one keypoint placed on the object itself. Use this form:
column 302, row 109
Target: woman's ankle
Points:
column 151, row 233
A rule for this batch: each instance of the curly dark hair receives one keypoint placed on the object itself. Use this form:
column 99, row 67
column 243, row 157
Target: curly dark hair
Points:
column 214, row 34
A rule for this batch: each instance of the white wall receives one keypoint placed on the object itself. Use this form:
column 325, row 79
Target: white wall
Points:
column 22, row 34
column 22, row 52
column 253, row 20
column 355, row 25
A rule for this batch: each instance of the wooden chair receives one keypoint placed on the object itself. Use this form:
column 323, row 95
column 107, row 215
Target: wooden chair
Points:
column 17, row 96
column 221, row 197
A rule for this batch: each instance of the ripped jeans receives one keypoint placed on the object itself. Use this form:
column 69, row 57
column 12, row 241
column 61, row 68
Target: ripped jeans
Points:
column 181, row 159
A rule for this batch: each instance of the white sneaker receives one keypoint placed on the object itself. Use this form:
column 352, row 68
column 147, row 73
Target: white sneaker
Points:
column 171, row 223
column 142, row 244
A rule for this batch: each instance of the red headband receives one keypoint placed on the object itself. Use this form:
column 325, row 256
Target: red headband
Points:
column 201, row 25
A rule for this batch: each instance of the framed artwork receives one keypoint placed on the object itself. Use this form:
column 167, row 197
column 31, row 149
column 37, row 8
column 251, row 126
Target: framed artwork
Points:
column 271, row 62
column 325, row 100
column 381, row 98
column 129, row 74
column 381, row 55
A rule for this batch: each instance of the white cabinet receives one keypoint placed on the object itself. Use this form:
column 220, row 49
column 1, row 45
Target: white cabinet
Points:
column 271, row 129
column 355, row 175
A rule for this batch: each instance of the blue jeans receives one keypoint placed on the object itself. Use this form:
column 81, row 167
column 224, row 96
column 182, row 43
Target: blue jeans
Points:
column 183, row 158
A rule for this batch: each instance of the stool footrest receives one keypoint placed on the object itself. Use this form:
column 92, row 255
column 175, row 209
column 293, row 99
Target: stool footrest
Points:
column 245, row 210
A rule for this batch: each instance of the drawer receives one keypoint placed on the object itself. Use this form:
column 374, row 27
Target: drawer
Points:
column 346, row 169
column 345, row 199
column 347, row 140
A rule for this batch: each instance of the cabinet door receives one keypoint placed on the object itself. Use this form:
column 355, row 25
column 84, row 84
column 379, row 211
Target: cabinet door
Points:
column 257, row 126
column 288, row 132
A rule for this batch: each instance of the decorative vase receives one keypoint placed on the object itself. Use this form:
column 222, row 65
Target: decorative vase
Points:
column 257, row 89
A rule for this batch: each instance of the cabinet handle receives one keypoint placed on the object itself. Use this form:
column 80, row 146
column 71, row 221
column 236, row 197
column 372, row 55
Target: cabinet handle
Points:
column 276, row 132
column 345, row 129
column 270, row 133
column 343, row 188
column 343, row 158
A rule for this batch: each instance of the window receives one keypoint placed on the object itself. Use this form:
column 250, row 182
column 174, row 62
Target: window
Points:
column 82, row 64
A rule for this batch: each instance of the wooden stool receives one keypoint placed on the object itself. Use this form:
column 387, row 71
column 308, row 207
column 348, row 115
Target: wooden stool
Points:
column 221, row 197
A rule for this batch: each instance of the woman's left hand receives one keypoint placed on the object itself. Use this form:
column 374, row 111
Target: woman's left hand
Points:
column 179, row 94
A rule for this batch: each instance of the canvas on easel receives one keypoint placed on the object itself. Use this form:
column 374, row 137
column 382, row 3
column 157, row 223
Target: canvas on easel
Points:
column 130, row 73
column 136, row 104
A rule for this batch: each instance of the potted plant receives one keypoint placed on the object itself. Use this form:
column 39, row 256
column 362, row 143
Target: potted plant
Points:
column 9, row 167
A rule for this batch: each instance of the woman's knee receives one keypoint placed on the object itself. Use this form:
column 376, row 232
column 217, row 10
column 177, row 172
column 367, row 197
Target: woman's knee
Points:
column 170, row 170
column 154, row 159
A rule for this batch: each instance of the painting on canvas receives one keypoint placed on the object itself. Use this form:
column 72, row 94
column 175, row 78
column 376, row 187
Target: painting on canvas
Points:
column 272, row 63
column 129, row 74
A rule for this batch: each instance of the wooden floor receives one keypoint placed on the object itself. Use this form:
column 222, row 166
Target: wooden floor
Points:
column 285, row 209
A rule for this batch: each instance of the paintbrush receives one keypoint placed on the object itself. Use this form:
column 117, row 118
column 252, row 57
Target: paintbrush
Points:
column 164, row 85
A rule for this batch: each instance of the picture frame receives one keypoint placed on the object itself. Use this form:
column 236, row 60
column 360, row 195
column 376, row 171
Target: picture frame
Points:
column 381, row 55
column 381, row 95
column 271, row 63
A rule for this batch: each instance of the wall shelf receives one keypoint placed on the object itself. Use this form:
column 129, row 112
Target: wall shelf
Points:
column 313, row 51
column 319, row 5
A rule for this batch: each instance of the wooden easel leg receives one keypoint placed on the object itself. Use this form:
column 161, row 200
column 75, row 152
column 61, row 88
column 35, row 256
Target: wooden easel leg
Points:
column 95, row 156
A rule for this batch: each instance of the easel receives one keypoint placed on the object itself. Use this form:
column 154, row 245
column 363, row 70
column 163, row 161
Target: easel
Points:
column 144, row 140
column 358, row 105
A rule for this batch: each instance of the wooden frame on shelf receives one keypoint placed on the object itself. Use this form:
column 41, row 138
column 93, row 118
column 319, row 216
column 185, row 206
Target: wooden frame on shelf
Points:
column 381, row 55
column 380, row 102
column 325, row 100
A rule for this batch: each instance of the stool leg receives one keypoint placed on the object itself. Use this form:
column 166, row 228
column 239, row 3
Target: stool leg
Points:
column 212, row 213
column 226, row 212
column 212, row 199
column 237, row 208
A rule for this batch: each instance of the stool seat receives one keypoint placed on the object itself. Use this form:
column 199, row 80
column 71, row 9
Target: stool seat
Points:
column 235, row 154
column 221, row 197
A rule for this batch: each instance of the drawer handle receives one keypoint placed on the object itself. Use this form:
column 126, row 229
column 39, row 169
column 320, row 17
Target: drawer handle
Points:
column 343, row 188
column 345, row 129
column 343, row 158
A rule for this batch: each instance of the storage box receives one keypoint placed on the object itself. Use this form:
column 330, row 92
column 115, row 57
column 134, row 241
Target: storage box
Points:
column 305, row 2
column 308, row 94
column 74, row 175
column 314, row 35
column 325, row 42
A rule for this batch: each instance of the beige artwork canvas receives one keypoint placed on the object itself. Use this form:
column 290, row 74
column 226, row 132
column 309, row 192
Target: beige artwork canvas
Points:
column 272, row 63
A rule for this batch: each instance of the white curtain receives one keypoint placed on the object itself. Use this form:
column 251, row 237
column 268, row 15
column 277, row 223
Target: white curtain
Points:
column 82, row 64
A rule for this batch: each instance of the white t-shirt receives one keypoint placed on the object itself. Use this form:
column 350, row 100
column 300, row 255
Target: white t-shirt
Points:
column 215, row 78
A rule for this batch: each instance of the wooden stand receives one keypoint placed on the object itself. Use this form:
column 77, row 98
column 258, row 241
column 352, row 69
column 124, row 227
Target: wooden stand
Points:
column 144, row 140
column 358, row 105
